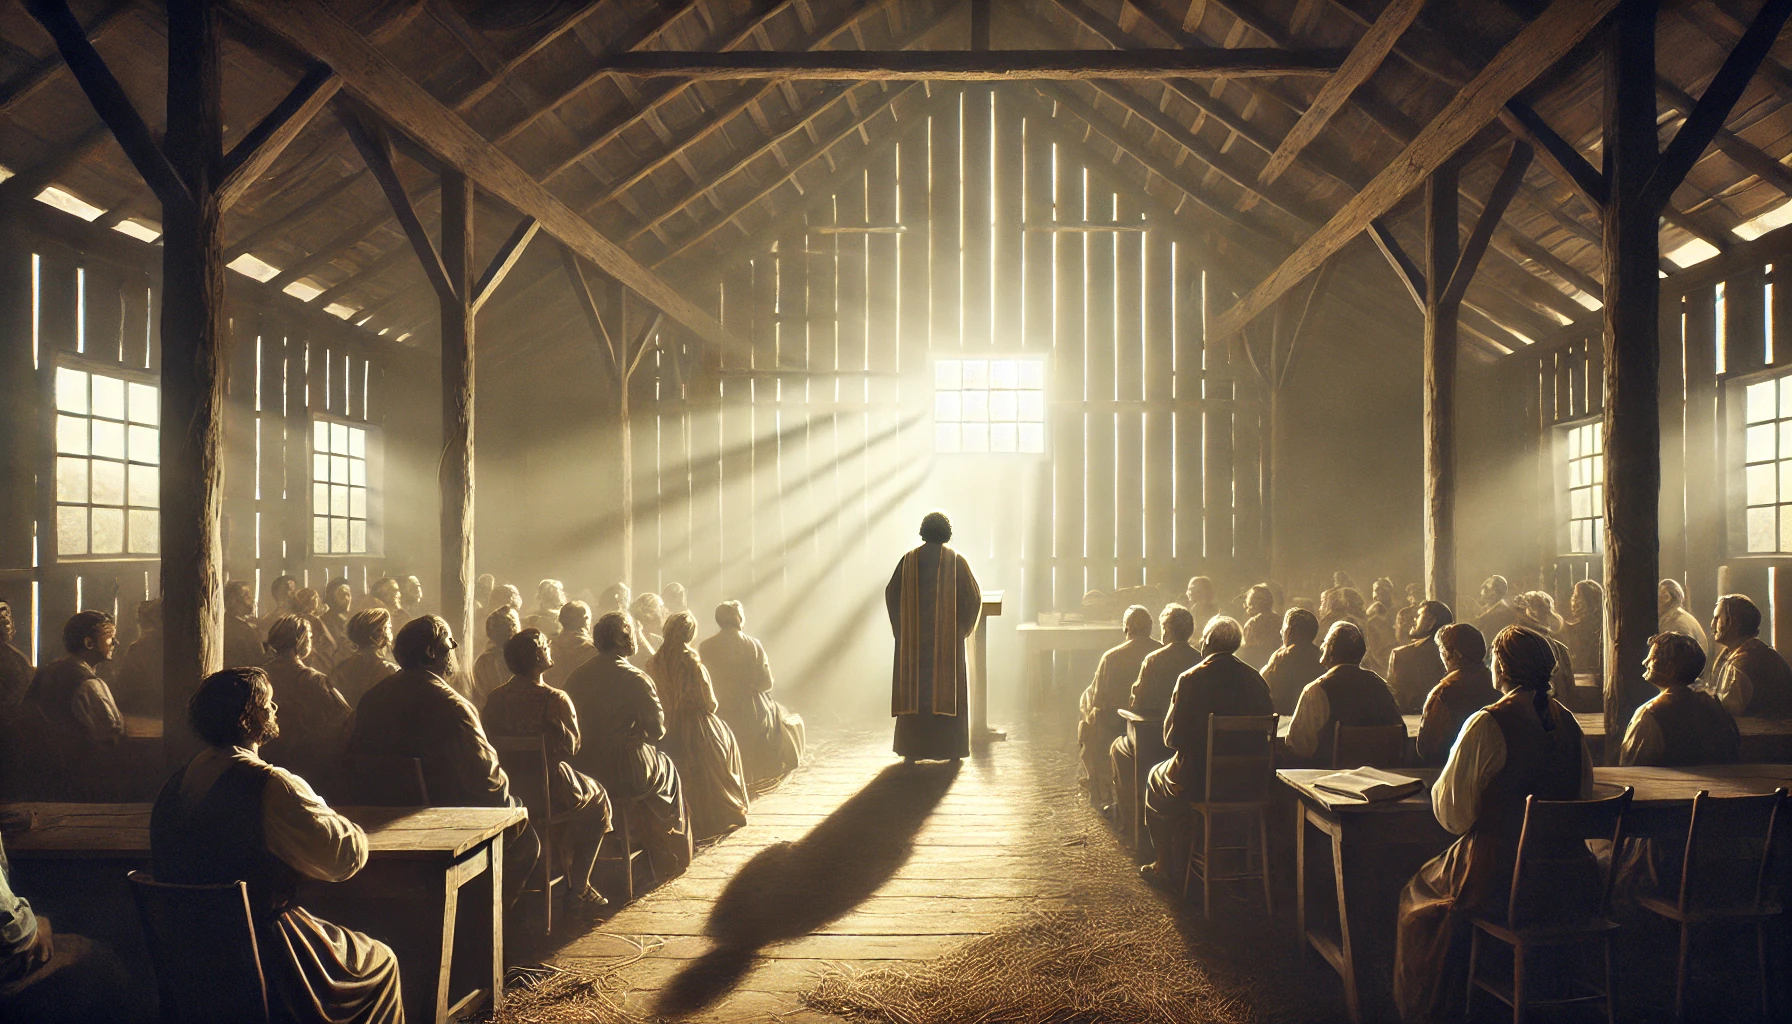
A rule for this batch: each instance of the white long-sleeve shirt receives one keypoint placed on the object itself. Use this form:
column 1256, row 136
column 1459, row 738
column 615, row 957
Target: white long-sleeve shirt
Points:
column 1312, row 713
column 298, row 827
column 1479, row 755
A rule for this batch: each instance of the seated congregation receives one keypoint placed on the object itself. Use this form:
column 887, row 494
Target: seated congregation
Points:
column 1182, row 730
column 650, row 743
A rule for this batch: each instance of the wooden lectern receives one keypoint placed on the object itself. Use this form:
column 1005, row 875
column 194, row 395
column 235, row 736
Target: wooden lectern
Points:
column 981, row 733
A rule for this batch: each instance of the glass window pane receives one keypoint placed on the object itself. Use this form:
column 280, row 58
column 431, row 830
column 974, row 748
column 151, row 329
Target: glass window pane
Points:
column 71, row 435
column 1032, row 406
column 71, row 390
column 357, row 502
column 1597, row 463
column 1785, row 527
column 320, row 467
column 108, row 439
column 143, row 404
column 1785, row 451
column 1786, row 478
column 1759, row 443
column 947, row 375
column 976, row 437
column 71, row 480
column 357, row 472
column 1003, row 406
column 339, row 438
column 1003, row 437
column 320, row 436
column 146, row 536
column 357, row 442
column 108, row 483
column 1579, row 504
column 145, row 445
column 1032, row 373
column 976, row 374
column 1760, row 401
column 1002, row 373
column 320, row 534
column 1762, row 483
column 945, row 437
column 1578, row 475
column 338, row 535
column 71, row 530
column 320, row 499
column 976, row 406
column 339, row 500
column 1032, row 438
column 1760, row 529
column 1576, row 441
column 339, row 469
column 108, row 397
column 1786, row 393
column 145, row 486
column 108, row 531
column 357, row 538
column 947, row 407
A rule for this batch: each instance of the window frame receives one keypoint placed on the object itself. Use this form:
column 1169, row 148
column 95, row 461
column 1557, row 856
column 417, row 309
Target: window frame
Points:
column 84, row 363
column 1564, row 507
column 1045, row 392
column 1732, row 449
column 374, row 456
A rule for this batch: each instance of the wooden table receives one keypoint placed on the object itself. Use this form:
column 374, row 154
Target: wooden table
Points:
column 1038, row 643
column 1385, row 837
column 142, row 727
column 441, row 849
column 1764, row 740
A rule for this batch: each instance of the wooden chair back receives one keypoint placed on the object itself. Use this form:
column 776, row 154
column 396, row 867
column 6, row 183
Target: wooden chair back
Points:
column 1556, row 882
column 1378, row 746
column 1241, row 758
column 525, row 760
column 387, row 780
column 202, row 941
column 1729, row 846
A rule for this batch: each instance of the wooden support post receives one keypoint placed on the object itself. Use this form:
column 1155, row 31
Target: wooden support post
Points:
column 1632, row 359
column 455, row 473
column 1442, row 248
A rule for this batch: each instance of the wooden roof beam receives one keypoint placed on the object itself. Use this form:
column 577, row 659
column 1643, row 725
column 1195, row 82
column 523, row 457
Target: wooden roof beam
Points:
column 26, row 83
column 1365, row 57
column 256, row 151
column 354, row 235
column 498, row 76
column 1536, row 47
column 313, row 28
column 1751, row 157
column 976, row 65
column 304, row 208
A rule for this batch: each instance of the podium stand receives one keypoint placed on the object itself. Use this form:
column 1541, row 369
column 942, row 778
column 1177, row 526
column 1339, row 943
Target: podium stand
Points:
column 981, row 733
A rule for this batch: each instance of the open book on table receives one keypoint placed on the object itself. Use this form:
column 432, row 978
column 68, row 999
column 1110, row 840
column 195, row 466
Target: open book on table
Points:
column 1370, row 784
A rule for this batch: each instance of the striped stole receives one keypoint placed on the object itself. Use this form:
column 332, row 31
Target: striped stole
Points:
column 944, row 657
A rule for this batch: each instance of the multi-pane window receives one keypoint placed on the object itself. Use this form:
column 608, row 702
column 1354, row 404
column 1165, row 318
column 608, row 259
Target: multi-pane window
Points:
column 338, row 488
column 1767, row 465
column 1586, row 488
column 108, row 484
column 989, row 405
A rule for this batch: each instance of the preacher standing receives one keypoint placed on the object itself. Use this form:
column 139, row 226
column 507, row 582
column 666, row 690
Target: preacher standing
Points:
column 934, row 603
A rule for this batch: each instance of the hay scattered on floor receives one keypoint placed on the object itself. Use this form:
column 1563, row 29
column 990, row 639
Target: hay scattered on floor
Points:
column 582, row 991
column 1118, row 954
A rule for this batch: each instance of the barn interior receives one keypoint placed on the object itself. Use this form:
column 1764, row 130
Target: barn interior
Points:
column 1161, row 301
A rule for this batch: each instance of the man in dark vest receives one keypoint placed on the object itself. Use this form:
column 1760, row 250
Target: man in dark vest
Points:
column 1417, row 666
column 230, row 816
column 1347, row 694
column 1219, row 685
column 1750, row 677
column 1680, row 726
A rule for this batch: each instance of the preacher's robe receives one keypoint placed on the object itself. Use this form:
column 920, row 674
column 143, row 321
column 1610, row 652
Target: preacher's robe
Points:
column 930, row 686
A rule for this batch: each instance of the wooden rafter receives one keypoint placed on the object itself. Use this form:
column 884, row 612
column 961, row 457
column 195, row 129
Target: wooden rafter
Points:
column 345, row 240
column 504, row 70
column 311, row 27
column 257, row 150
column 1536, row 47
column 282, row 224
column 376, row 149
column 976, row 65
column 1504, row 188
column 25, row 84
column 1364, row 58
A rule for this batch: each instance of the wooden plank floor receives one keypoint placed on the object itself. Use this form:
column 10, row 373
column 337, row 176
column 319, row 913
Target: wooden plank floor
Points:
column 885, row 863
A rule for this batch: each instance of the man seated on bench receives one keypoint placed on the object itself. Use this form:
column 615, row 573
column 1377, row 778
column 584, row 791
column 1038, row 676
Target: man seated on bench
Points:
column 229, row 816
column 415, row 713
column 1347, row 694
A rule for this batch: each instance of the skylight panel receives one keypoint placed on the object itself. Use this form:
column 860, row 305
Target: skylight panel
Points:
column 1692, row 253
column 69, row 203
column 141, row 230
column 337, row 309
column 250, row 267
column 304, row 289
column 1778, row 217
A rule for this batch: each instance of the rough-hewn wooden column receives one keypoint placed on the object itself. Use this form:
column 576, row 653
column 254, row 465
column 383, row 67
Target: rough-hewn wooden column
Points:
column 1632, row 359
column 1442, row 249
column 455, row 475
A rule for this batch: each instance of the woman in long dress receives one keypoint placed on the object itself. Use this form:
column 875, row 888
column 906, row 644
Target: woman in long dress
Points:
column 771, row 736
column 1524, row 744
column 700, row 743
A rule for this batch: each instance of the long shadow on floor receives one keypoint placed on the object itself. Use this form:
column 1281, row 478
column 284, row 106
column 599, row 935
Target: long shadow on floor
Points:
column 789, row 890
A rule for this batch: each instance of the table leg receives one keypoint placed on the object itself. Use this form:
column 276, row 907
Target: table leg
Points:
column 496, row 875
column 1140, row 776
column 451, row 883
column 1352, row 1001
column 1300, row 876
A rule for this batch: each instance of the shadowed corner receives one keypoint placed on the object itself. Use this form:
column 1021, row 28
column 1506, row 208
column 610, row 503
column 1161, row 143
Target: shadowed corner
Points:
column 789, row 890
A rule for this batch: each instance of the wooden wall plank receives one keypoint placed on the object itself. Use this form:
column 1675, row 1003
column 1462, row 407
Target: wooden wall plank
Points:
column 1067, row 419
column 1099, row 386
column 1129, row 353
column 1160, row 389
column 1704, row 478
column 945, row 220
column 1037, row 311
column 1190, row 284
